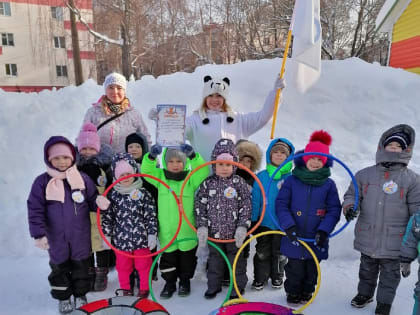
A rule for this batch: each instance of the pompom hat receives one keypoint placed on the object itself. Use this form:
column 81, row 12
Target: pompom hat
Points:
column 122, row 167
column 319, row 141
column 88, row 137
column 400, row 137
column 115, row 78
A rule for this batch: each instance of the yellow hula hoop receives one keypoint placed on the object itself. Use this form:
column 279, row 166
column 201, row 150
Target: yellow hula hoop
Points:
column 242, row 300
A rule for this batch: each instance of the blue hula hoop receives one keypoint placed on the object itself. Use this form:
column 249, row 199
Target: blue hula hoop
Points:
column 292, row 157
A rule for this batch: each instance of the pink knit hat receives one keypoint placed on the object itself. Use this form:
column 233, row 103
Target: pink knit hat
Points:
column 88, row 137
column 121, row 167
column 320, row 141
column 59, row 149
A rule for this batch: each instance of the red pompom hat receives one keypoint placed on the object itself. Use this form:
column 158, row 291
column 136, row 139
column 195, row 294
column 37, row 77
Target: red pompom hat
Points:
column 320, row 141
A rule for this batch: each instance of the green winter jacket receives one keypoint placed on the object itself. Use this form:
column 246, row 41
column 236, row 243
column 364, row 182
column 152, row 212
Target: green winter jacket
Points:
column 168, row 213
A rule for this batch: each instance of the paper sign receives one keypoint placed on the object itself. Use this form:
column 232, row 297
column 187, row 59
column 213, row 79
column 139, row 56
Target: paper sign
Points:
column 170, row 131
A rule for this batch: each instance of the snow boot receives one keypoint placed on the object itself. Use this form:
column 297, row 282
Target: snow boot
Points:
column 276, row 283
column 211, row 294
column 256, row 285
column 233, row 294
column 65, row 306
column 184, row 288
column 101, row 280
column 143, row 294
column 92, row 277
column 305, row 297
column 123, row 292
column 293, row 299
column 79, row 301
column 168, row 290
column 382, row 309
column 360, row 300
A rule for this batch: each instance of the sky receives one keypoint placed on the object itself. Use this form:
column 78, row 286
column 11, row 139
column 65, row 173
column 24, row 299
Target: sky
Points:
column 353, row 100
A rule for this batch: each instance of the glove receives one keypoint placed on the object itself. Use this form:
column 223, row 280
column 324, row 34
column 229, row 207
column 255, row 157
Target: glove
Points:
column 350, row 213
column 155, row 150
column 291, row 233
column 151, row 241
column 202, row 234
column 153, row 114
column 320, row 238
column 188, row 150
column 42, row 243
column 280, row 83
column 102, row 202
column 240, row 235
column 405, row 269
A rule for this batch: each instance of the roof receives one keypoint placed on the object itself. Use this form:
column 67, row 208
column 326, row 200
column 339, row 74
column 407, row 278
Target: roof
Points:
column 389, row 14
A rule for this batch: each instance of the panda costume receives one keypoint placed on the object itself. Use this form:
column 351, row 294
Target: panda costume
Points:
column 205, row 127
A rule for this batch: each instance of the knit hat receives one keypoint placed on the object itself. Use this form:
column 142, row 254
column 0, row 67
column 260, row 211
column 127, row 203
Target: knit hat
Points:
column 121, row 167
column 59, row 149
column 139, row 138
column 284, row 147
column 320, row 141
column 401, row 137
column 88, row 137
column 175, row 153
column 115, row 78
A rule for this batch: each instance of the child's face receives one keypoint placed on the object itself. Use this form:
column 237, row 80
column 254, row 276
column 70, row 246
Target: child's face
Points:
column 278, row 157
column 314, row 163
column 115, row 93
column 393, row 146
column 126, row 182
column 88, row 152
column 135, row 150
column 215, row 102
column 61, row 162
column 246, row 161
column 224, row 169
column 175, row 165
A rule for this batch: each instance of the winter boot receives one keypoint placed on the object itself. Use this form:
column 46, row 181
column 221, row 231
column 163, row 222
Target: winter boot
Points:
column 79, row 301
column 305, row 297
column 276, row 283
column 92, row 277
column 226, row 283
column 65, row 306
column 123, row 292
column 101, row 280
column 233, row 294
column 293, row 299
column 143, row 294
column 168, row 290
column 382, row 309
column 360, row 301
column 211, row 294
column 256, row 285
column 184, row 288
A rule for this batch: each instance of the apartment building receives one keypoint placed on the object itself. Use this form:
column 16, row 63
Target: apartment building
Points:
column 36, row 49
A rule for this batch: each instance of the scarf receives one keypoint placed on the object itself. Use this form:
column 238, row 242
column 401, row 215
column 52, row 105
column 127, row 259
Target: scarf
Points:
column 55, row 187
column 110, row 108
column 126, row 190
column 285, row 169
column 314, row 178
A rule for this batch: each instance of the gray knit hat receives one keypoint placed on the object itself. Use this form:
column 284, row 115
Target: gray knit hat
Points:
column 171, row 153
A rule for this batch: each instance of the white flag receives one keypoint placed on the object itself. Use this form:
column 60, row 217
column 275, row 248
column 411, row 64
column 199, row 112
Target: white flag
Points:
column 307, row 38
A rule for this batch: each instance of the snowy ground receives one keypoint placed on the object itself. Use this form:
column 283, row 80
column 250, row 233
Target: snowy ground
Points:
column 353, row 100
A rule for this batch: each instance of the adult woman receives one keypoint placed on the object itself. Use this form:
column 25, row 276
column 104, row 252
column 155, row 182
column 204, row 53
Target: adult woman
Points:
column 113, row 115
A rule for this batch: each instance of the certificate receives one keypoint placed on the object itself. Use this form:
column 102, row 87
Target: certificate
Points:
column 170, row 130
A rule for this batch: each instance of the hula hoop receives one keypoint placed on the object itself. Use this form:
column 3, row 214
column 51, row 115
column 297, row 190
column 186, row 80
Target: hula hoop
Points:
column 281, row 233
column 152, row 295
column 98, row 217
column 226, row 162
column 292, row 157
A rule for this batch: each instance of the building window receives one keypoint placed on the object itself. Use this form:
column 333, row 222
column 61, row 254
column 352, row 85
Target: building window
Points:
column 57, row 13
column 5, row 8
column 61, row 71
column 7, row 39
column 11, row 69
column 59, row 42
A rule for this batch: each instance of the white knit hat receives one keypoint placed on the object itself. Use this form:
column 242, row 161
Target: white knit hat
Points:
column 115, row 78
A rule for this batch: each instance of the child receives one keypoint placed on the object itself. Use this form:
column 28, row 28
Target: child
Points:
column 307, row 206
column 223, row 211
column 131, row 222
column 268, row 261
column 250, row 155
column 179, row 260
column 94, row 160
column 58, row 213
column 389, row 193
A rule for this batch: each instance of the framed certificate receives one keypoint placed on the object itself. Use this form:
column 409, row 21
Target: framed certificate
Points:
column 170, row 130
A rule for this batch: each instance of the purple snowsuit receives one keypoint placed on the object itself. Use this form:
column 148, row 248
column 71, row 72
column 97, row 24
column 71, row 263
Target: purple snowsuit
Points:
column 66, row 225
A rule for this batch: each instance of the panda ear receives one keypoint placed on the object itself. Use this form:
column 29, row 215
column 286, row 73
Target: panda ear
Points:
column 207, row 78
column 226, row 80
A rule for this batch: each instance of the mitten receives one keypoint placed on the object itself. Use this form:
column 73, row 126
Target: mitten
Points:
column 202, row 234
column 350, row 213
column 42, row 243
column 188, row 150
column 240, row 235
column 320, row 238
column 405, row 269
column 155, row 150
column 151, row 241
column 280, row 83
column 102, row 202
column 291, row 233
column 153, row 114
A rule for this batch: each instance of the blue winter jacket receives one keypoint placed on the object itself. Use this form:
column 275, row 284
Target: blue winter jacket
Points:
column 309, row 208
column 264, row 176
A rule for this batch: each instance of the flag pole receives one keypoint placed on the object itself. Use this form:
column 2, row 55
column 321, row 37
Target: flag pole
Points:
column 283, row 66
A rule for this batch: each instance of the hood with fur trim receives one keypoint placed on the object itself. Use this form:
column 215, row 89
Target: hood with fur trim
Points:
column 252, row 150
